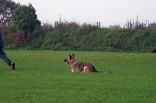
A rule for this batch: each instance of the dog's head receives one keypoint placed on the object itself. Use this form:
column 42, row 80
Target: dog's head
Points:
column 70, row 59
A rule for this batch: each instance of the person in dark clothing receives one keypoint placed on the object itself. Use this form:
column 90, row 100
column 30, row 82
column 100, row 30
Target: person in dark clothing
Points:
column 3, row 55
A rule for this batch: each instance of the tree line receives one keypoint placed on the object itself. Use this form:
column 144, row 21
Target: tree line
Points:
column 22, row 30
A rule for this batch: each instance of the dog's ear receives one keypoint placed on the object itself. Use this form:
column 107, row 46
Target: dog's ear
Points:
column 73, row 55
column 70, row 56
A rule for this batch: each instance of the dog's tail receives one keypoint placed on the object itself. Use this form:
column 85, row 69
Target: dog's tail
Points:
column 95, row 70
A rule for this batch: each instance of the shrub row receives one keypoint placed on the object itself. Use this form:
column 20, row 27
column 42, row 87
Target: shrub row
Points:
column 87, row 38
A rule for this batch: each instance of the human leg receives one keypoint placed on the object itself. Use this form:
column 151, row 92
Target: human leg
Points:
column 6, row 59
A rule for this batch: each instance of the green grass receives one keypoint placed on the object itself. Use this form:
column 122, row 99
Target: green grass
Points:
column 43, row 77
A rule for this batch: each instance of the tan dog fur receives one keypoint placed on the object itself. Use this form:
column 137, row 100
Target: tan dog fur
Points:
column 77, row 66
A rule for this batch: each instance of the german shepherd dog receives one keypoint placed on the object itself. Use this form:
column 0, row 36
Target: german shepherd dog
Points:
column 77, row 66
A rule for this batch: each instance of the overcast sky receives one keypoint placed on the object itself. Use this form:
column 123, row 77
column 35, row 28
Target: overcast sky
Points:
column 108, row 12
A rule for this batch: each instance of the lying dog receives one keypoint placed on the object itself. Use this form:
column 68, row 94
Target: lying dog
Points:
column 77, row 66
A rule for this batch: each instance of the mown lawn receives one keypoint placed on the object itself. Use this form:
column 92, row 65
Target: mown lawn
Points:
column 43, row 77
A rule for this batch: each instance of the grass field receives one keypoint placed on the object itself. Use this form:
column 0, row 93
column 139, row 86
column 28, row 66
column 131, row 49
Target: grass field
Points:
column 43, row 77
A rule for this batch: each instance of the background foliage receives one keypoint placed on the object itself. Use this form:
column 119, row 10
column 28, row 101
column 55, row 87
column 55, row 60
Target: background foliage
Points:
column 85, row 38
column 26, row 32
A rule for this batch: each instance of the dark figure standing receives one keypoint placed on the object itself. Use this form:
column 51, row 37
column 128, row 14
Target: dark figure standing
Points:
column 3, row 55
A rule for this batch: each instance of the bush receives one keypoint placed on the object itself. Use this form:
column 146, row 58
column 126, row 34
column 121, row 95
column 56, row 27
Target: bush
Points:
column 88, row 38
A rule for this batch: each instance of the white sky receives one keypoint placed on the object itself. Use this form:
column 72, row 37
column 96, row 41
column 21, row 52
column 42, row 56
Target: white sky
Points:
column 108, row 12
